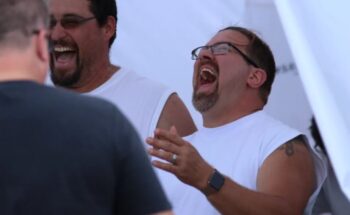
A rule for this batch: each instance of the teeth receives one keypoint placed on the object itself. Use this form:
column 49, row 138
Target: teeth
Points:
column 209, row 71
column 63, row 49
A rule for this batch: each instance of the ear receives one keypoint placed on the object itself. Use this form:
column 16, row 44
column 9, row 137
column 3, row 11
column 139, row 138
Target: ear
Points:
column 42, row 55
column 109, row 29
column 42, row 49
column 256, row 78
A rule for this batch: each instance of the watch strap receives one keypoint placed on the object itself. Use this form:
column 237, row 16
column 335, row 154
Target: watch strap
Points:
column 215, row 183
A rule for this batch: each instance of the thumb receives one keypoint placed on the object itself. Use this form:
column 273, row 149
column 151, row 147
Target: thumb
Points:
column 173, row 130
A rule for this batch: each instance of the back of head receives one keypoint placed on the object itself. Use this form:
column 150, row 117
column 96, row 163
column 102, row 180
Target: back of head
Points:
column 102, row 9
column 260, row 53
column 19, row 19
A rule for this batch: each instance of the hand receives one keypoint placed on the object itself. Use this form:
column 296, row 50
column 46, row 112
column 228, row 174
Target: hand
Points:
column 188, row 166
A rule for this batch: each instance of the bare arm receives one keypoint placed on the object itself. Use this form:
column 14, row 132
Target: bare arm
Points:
column 176, row 114
column 285, row 181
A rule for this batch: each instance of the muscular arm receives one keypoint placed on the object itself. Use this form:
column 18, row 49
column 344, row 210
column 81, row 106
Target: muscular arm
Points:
column 285, row 182
column 176, row 114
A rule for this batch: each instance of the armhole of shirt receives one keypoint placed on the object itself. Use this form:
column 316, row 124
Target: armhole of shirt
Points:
column 277, row 143
column 158, row 111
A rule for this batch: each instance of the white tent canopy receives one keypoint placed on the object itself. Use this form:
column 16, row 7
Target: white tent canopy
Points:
column 320, row 45
column 155, row 38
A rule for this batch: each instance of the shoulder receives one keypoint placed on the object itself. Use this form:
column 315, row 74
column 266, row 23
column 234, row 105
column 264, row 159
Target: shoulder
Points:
column 142, row 80
column 133, row 84
column 270, row 123
column 269, row 134
column 273, row 130
column 297, row 144
column 68, row 103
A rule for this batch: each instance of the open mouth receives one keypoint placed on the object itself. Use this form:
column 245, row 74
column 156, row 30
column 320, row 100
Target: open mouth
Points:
column 64, row 57
column 206, row 80
column 207, row 76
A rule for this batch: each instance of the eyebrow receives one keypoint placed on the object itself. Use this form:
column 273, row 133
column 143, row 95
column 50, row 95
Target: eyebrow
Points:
column 67, row 15
column 71, row 15
column 235, row 44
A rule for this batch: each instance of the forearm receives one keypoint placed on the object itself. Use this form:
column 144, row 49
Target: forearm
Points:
column 235, row 199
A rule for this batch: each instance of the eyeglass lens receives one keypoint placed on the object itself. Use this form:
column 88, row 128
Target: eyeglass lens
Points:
column 69, row 22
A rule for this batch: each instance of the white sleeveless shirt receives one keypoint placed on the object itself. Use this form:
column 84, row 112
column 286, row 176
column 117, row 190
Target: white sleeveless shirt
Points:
column 140, row 99
column 237, row 149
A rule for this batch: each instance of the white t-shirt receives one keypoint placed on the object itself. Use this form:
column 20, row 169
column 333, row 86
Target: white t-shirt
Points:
column 237, row 150
column 140, row 99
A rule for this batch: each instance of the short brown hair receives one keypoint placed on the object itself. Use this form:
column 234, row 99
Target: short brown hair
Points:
column 21, row 18
column 261, row 54
column 102, row 9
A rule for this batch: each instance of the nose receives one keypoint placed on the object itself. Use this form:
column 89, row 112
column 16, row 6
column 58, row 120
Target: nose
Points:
column 205, row 54
column 57, row 32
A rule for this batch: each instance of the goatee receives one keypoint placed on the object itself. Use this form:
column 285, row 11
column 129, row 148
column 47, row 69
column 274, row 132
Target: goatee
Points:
column 203, row 102
column 62, row 79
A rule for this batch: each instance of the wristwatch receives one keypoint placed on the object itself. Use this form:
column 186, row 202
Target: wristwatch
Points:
column 215, row 182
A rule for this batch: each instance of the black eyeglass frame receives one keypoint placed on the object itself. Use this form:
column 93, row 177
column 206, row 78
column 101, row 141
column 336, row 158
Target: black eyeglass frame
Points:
column 246, row 58
column 65, row 24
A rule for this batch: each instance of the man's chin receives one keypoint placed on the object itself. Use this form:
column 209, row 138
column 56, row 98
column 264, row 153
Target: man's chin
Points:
column 64, row 78
column 203, row 102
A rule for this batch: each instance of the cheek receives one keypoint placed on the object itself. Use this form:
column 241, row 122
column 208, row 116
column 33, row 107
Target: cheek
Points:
column 232, row 73
column 85, row 37
column 95, row 44
column 86, row 48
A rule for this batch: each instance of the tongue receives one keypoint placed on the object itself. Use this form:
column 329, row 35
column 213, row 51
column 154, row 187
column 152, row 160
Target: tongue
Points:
column 207, row 86
column 65, row 60
column 66, row 56
column 207, row 77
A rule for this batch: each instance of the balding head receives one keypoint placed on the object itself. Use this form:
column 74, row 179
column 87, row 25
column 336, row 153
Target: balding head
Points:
column 24, row 53
column 19, row 19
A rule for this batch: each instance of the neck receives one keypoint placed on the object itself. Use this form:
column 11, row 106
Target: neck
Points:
column 13, row 69
column 218, row 116
column 95, row 77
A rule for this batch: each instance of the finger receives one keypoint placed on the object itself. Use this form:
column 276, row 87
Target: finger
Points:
column 163, row 144
column 164, row 166
column 170, row 136
column 173, row 130
column 150, row 141
column 167, row 156
column 156, row 137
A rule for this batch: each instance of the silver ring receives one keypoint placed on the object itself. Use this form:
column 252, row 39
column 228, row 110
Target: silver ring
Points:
column 173, row 158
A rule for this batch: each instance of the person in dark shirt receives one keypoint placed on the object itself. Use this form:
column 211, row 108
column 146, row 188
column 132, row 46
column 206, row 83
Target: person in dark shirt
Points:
column 60, row 152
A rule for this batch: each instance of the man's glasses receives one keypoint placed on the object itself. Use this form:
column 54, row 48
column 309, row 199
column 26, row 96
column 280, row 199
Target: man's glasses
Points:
column 69, row 22
column 221, row 48
column 50, row 44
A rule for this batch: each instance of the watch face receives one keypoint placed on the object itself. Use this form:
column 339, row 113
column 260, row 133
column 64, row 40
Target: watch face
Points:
column 217, row 180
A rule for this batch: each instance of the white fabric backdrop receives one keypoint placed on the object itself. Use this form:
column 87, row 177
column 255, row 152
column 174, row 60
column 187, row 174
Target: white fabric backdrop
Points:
column 155, row 38
column 320, row 44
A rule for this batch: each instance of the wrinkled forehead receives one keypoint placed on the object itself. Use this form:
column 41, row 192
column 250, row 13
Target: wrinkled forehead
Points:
column 231, row 36
column 59, row 8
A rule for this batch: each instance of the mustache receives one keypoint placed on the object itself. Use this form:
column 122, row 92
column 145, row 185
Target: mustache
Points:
column 210, row 62
column 62, row 43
